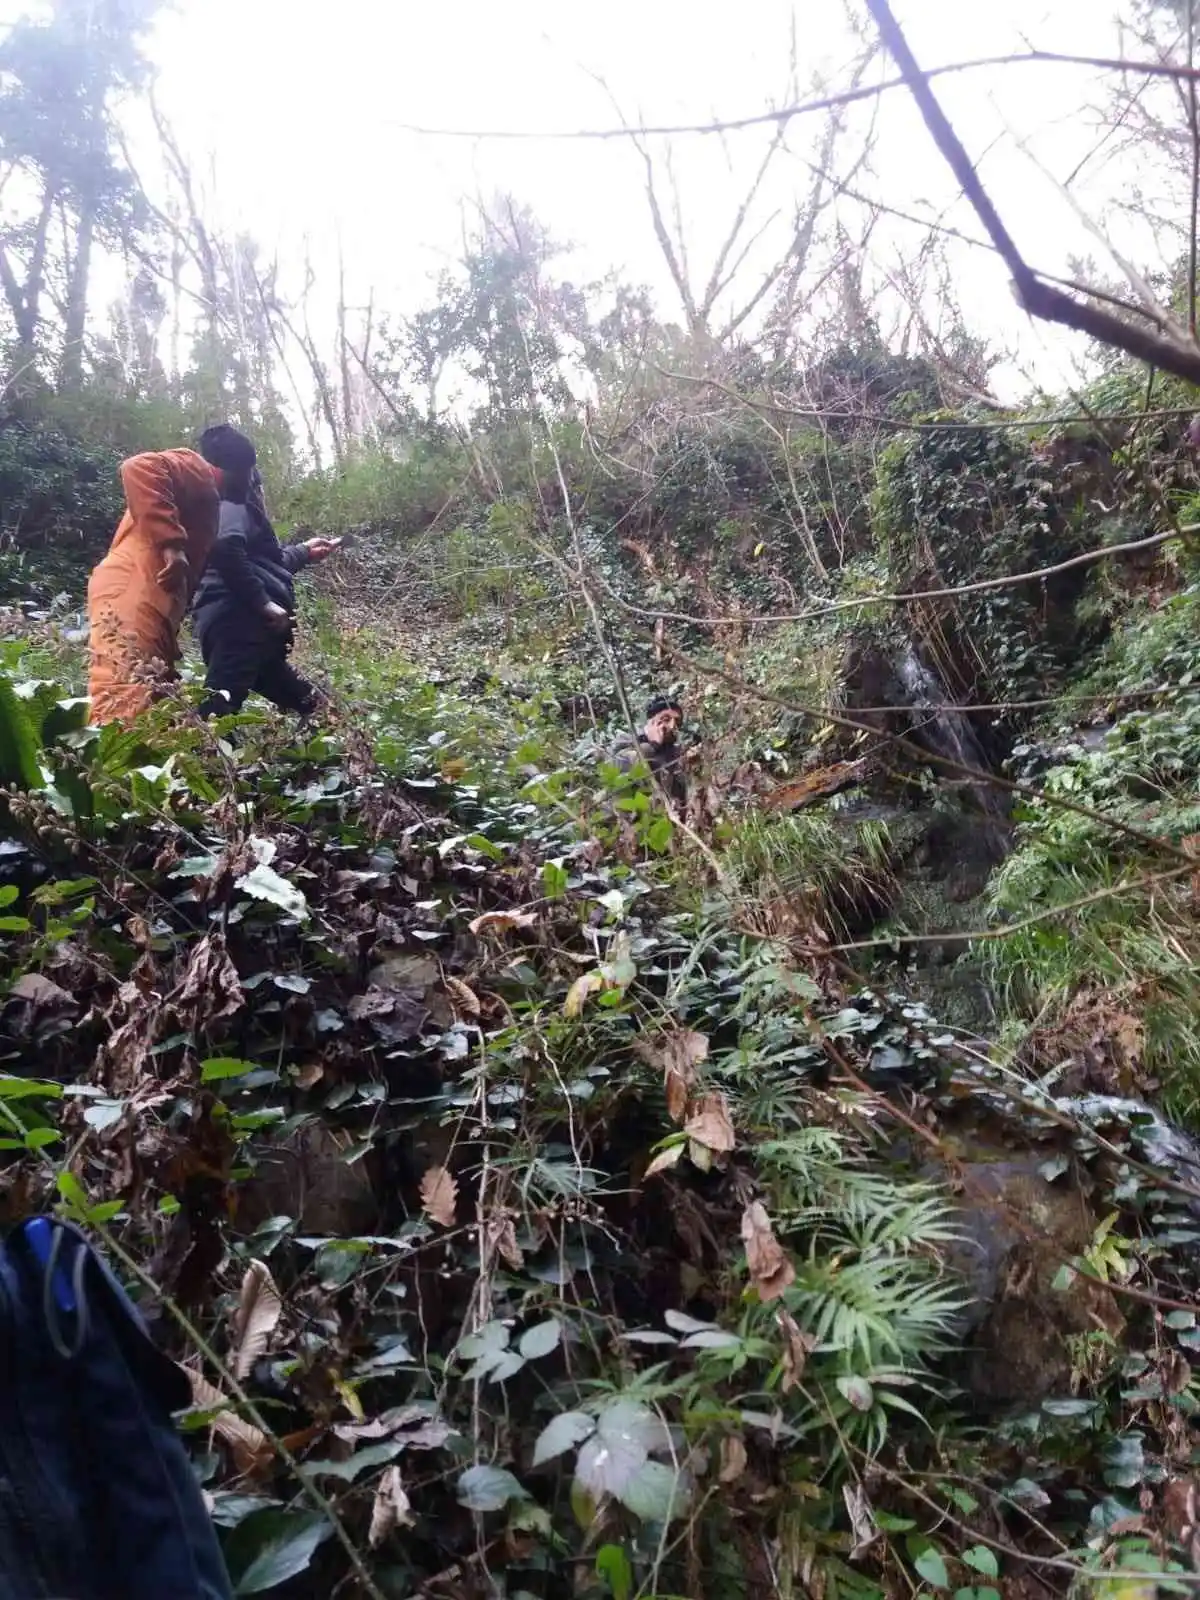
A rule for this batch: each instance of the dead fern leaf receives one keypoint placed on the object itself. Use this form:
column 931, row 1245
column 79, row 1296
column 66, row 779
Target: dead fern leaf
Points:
column 796, row 1348
column 391, row 1508
column 439, row 1195
column 502, row 921
column 211, row 988
column 464, row 997
column 257, row 1316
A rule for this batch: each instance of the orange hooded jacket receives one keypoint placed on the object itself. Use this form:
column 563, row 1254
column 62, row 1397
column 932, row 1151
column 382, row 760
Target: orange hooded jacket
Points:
column 137, row 597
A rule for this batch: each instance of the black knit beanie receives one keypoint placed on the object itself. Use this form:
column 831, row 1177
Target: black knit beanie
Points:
column 228, row 450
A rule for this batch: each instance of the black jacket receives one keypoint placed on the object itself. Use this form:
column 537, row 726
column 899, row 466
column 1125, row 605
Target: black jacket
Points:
column 664, row 760
column 248, row 566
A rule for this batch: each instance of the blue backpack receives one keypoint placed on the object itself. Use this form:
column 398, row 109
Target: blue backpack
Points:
column 98, row 1500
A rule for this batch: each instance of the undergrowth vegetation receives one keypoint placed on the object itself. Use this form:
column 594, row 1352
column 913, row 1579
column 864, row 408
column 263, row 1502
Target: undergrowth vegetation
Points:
column 531, row 1205
column 374, row 948
column 552, row 1190
column 781, row 1183
column 1129, row 928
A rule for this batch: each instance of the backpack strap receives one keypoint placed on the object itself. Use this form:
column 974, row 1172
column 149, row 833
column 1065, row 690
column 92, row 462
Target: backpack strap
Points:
column 43, row 1547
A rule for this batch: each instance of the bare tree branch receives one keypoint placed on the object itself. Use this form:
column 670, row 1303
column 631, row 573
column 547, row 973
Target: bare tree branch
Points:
column 665, row 243
column 343, row 350
column 316, row 365
column 271, row 312
column 1162, row 349
column 196, row 241
column 717, row 281
column 828, row 102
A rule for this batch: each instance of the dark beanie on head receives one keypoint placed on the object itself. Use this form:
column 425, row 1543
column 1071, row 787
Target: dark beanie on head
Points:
column 228, row 450
column 663, row 702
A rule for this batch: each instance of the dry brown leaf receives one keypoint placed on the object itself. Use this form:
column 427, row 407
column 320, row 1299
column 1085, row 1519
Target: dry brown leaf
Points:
column 700, row 1156
column 678, row 1088
column 677, row 1055
column 307, row 1076
column 770, row 1269
column 578, row 992
column 502, row 1234
column 391, row 1508
column 412, row 1427
column 299, row 1441
column 796, row 1348
column 709, row 1124
column 664, row 1159
column 862, row 1520
column 502, row 921
column 733, row 1458
column 683, row 1052
column 250, row 1445
column 257, row 1316
column 1129, row 1033
column 439, row 1195
column 39, row 991
column 211, row 988
column 464, row 997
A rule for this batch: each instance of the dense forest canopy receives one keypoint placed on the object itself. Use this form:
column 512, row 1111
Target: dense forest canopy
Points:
column 555, row 1182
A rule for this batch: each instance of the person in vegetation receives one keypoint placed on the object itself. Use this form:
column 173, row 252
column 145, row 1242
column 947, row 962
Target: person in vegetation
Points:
column 138, row 594
column 245, row 606
column 658, row 745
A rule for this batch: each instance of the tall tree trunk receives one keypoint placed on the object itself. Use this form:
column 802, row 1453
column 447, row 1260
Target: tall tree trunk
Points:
column 36, row 281
column 176, row 319
column 25, row 300
column 344, row 354
column 70, row 370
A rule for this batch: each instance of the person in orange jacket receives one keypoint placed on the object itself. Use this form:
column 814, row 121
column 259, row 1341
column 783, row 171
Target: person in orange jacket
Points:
column 139, row 593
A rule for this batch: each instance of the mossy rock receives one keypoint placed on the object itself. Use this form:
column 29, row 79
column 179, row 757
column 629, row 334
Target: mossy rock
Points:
column 1019, row 1232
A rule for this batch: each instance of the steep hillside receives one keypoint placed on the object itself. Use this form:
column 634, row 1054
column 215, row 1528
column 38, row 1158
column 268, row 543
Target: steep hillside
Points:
column 543, row 1190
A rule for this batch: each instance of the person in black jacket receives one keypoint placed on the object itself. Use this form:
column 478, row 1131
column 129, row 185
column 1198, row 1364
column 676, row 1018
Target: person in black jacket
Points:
column 658, row 745
column 244, row 610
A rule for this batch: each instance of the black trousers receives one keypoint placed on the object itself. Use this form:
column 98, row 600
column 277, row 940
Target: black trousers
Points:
column 242, row 660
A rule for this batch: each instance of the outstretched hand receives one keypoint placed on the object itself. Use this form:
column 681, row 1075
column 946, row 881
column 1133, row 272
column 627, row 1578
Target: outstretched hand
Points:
column 318, row 549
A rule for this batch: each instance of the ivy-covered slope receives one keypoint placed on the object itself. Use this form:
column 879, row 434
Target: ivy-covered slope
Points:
column 531, row 1214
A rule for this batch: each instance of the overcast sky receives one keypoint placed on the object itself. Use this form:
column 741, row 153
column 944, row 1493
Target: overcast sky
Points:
column 295, row 114
column 299, row 112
